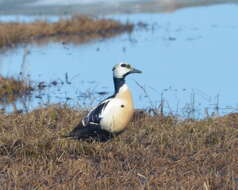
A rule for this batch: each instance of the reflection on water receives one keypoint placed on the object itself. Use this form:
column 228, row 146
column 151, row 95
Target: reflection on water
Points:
column 188, row 60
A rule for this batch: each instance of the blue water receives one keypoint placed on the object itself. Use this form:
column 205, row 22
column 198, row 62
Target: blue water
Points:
column 25, row 18
column 188, row 56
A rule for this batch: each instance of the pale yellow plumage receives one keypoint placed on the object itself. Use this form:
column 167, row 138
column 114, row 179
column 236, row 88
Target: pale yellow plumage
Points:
column 118, row 112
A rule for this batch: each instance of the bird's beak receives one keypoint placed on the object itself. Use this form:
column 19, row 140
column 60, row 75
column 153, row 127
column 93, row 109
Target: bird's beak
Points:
column 133, row 70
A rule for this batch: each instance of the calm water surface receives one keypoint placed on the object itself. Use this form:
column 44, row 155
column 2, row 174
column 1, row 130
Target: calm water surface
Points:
column 188, row 57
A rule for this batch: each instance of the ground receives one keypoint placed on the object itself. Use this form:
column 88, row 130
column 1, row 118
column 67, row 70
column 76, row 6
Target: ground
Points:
column 155, row 152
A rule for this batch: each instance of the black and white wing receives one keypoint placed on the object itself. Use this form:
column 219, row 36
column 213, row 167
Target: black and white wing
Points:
column 90, row 127
column 94, row 116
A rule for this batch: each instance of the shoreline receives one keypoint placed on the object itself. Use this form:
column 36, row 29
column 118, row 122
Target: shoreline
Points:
column 103, row 8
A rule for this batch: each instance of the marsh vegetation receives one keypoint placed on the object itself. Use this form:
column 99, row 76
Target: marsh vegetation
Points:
column 153, row 153
column 77, row 29
column 12, row 88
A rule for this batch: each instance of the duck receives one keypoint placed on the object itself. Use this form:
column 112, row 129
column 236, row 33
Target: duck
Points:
column 112, row 115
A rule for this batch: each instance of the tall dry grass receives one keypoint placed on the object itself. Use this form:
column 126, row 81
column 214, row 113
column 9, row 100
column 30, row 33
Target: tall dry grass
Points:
column 80, row 27
column 153, row 153
column 11, row 89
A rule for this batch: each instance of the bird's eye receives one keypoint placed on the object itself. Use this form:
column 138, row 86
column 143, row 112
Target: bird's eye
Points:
column 123, row 65
column 128, row 66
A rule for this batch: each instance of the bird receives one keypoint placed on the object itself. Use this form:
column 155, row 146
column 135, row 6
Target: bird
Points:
column 112, row 115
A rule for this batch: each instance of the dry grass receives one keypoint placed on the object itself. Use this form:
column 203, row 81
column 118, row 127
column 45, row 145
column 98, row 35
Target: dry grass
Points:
column 80, row 27
column 11, row 89
column 154, row 153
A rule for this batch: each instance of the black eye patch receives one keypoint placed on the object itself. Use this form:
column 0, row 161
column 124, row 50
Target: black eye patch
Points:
column 125, row 65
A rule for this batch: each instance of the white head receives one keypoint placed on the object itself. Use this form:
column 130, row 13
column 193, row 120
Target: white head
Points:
column 123, row 69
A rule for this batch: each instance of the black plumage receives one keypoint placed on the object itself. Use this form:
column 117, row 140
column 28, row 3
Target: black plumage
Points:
column 89, row 128
column 90, row 132
column 94, row 116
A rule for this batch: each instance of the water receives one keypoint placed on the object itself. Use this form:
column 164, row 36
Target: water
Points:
column 98, row 7
column 26, row 19
column 67, row 2
column 188, row 58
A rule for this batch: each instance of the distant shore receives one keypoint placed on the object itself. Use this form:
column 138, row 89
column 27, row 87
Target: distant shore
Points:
column 95, row 8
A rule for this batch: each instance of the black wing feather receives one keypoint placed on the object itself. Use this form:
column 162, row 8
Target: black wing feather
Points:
column 91, row 132
column 89, row 127
column 93, row 116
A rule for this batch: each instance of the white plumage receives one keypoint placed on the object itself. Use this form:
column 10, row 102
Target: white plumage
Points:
column 112, row 115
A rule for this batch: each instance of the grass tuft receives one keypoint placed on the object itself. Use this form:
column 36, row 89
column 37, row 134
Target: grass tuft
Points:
column 11, row 89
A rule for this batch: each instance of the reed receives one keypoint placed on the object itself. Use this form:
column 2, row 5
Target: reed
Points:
column 12, row 88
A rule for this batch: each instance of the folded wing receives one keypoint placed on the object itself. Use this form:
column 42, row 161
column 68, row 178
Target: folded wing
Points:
column 94, row 116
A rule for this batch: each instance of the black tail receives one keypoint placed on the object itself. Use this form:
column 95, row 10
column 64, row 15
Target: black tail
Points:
column 92, row 132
